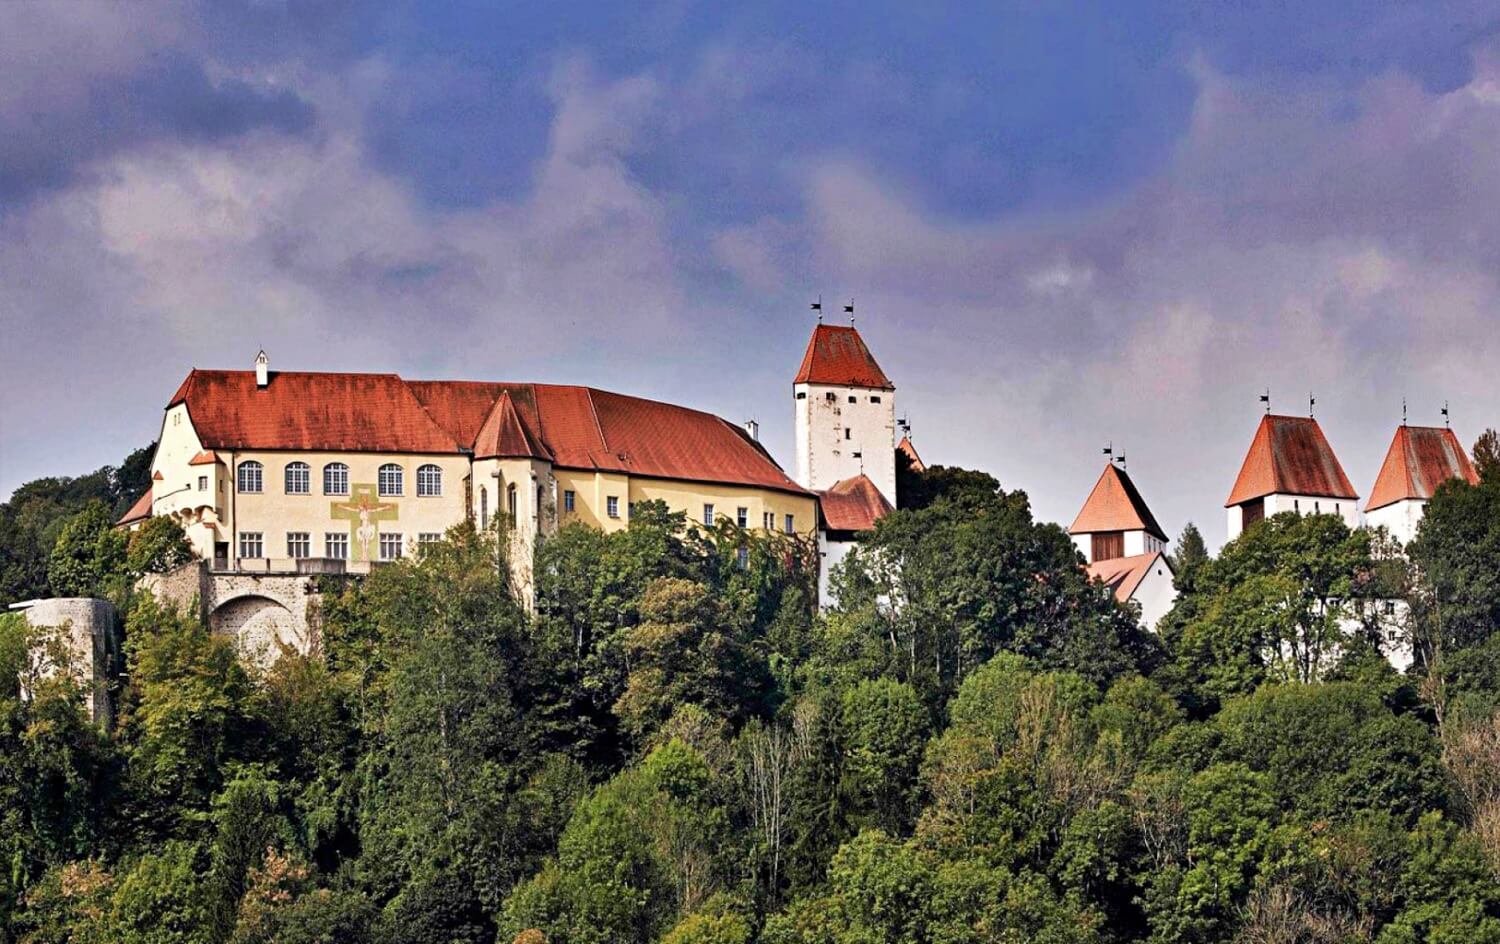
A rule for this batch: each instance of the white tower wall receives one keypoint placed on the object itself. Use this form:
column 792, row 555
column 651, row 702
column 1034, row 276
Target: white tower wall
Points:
column 842, row 431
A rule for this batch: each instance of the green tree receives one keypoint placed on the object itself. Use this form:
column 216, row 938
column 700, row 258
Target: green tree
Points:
column 90, row 552
column 1191, row 555
column 159, row 545
column 1487, row 455
column 1457, row 555
column 884, row 727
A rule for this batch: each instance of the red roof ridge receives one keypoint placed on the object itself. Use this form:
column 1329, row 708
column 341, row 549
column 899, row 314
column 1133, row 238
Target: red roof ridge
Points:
column 1115, row 505
column 1125, row 574
column 837, row 355
column 504, row 434
column 1420, row 459
column 139, row 510
column 852, row 504
column 1289, row 455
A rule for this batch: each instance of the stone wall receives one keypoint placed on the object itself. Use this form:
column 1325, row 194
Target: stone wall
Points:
column 261, row 612
column 88, row 646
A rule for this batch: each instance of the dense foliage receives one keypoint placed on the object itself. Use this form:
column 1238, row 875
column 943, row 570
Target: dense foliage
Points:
column 674, row 745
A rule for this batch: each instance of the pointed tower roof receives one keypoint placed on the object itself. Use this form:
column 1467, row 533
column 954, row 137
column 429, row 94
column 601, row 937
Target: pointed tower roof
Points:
column 1290, row 456
column 905, row 446
column 837, row 355
column 505, row 436
column 1115, row 505
column 1420, row 459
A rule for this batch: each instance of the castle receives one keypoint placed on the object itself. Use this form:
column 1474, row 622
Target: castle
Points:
column 280, row 476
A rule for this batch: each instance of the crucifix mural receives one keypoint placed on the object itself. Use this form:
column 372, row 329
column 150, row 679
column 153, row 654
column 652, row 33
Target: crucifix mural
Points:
column 363, row 511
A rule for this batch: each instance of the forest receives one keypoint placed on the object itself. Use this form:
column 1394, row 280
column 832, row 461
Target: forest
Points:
column 675, row 745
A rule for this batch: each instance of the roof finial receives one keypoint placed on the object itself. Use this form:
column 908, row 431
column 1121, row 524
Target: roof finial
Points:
column 904, row 424
column 1109, row 450
column 817, row 306
column 1266, row 399
column 1403, row 411
column 1447, row 420
column 1121, row 458
column 849, row 310
column 1311, row 402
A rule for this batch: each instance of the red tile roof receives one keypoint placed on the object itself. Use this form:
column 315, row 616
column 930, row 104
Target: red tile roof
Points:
column 1290, row 456
column 1115, row 505
column 852, row 504
column 206, row 457
column 1123, row 575
column 577, row 427
column 1420, row 459
column 905, row 446
column 837, row 355
column 139, row 511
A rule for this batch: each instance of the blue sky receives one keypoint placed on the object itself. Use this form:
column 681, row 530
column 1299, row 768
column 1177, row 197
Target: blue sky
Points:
column 1063, row 223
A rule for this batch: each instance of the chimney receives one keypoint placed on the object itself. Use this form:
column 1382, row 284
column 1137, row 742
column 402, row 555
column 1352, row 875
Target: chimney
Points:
column 753, row 428
column 262, row 370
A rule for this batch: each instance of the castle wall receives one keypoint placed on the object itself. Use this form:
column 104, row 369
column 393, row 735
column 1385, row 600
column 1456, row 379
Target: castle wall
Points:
column 85, row 629
column 844, row 431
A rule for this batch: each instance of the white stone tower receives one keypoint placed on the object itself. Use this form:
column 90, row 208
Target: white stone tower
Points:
column 846, row 414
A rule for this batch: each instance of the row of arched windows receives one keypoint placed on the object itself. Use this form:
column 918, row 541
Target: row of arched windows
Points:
column 390, row 479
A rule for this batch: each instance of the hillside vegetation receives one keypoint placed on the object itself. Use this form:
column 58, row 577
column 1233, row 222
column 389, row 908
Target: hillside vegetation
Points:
column 975, row 745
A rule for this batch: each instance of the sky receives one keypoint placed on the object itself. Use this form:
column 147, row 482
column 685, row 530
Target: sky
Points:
column 1062, row 224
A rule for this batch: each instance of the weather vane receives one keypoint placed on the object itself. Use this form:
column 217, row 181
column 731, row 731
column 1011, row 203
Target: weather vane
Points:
column 849, row 310
column 1447, row 420
column 1311, row 402
column 1266, row 399
column 817, row 306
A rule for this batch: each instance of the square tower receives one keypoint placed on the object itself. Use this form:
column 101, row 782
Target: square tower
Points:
column 1290, row 467
column 845, row 414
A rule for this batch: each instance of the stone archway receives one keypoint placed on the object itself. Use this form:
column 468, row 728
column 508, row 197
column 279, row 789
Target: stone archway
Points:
column 260, row 626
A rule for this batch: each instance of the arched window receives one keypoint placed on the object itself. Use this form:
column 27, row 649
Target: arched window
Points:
column 510, row 503
column 389, row 479
column 429, row 480
column 298, row 478
column 484, row 508
column 249, row 479
column 335, row 479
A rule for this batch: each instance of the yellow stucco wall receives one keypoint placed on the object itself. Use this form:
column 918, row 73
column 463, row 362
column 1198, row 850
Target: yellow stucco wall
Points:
column 592, row 490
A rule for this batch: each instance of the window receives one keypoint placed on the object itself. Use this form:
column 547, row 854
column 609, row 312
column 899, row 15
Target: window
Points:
column 874, row 399
column 429, row 481
column 335, row 479
column 389, row 479
column 853, row 399
column 742, row 517
column 484, row 508
column 768, row 520
column 857, row 455
column 202, row 483
column 1390, row 607
column 336, row 545
column 708, row 515
column 251, row 544
column 1336, row 508
column 298, row 478
column 801, row 394
column 742, row 557
column 298, row 544
column 848, row 433
column 1297, row 506
column 249, row 478
column 568, row 500
column 510, row 502
column 1316, row 509
column 791, row 525
column 830, row 396
column 428, row 539
column 390, row 547
column 612, row 506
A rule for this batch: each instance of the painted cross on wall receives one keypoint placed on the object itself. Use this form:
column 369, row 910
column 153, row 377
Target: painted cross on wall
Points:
column 364, row 512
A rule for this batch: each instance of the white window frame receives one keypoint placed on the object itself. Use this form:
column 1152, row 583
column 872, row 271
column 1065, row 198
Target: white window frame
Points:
column 429, row 480
column 390, row 480
column 336, row 545
column 392, row 540
column 569, row 499
column 612, row 506
column 426, row 539
column 791, row 524
column 202, row 483
column 252, row 541
column 708, row 514
column 294, row 538
column 742, row 517
column 243, row 480
column 340, row 473
column 302, row 470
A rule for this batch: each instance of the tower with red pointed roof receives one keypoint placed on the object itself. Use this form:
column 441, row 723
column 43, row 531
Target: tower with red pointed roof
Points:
column 845, row 410
column 1124, row 546
column 1290, row 467
column 1420, row 459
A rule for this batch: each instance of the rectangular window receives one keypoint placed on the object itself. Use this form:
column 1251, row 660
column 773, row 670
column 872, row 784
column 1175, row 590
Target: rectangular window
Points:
column 428, row 539
column 853, row 399
column 874, row 399
column 336, row 545
column 802, row 395
column 791, row 525
column 390, row 547
column 1316, row 509
column 742, row 557
column 298, row 544
column 612, row 506
column 742, row 517
column 830, row 396
column 768, row 520
column 708, row 516
column 848, row 433
column 202, row 483
column 251, row 544
column 568, row 500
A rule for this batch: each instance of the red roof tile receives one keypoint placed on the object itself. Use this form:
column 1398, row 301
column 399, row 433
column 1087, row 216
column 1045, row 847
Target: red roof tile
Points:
column 505, row 436
column 1123, row 575
column 139, row 511
column 905, row 446
column 852, row 504
column 1115, row 505
column 339, row 412
column 1290, row 456
column 837, row 355
column 577, row 427
column 1420, row 459
column 206, row 457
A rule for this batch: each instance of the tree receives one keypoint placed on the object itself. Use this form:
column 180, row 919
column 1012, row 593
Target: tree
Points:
column 1191, row 555
column 1457, row 556
column 884, row 727
column 1487, row 455
column 89, row 553
column 159, row 545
